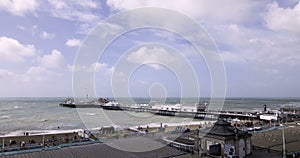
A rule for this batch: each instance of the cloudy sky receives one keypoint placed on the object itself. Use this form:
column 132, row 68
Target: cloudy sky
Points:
column 259, row 42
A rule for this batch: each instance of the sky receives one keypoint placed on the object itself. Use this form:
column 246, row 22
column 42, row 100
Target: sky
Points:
column 258, row 42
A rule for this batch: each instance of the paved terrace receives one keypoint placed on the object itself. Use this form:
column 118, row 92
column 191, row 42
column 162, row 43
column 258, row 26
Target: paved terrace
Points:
column 99, row 150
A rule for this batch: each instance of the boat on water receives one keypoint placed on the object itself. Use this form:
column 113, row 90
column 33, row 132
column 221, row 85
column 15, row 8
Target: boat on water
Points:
column 104, row 103
column 70, row 102
column 109, row 105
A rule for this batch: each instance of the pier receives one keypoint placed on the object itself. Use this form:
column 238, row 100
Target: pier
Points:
column 196, row 111
column 198, row 114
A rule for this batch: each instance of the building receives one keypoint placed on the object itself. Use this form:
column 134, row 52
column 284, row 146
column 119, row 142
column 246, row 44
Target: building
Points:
column 224, row 140
column 94, row 150
column 107, row 130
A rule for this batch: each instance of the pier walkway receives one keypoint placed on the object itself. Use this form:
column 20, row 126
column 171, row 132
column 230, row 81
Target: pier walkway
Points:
column 195, row 114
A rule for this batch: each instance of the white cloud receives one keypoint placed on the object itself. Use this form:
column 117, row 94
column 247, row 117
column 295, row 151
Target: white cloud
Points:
column 153, row 57
column 6, row 74
column 42, row 34
column 207, row 11
column 38, row 73
column 20, row 27
column 259, row 49
column 33, row 73
column 102, row 67
column 18, row 7
column 75, row 10
column 54, row 60
column 85, row 28
column 73, row 43
column 13, row 50
column 35, row 81
column 95, row 67
column 287, row 19
column 58, row 4
column 34, row 27
column 142, row 82
column 46, row 35
column 87, row 4
column 76, row 16
column 108, row 29
column 34, row 30
column 232, row 57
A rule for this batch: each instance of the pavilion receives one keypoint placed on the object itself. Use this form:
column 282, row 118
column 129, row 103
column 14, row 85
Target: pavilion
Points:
column 224, row 140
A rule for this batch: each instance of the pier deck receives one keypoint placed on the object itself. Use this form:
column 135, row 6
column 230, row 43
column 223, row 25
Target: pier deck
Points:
column 197, row 115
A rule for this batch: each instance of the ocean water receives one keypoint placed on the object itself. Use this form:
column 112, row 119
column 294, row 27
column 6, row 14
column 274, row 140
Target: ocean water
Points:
column 18, row 115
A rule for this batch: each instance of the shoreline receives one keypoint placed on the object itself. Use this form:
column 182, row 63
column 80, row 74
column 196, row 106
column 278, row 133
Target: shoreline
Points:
column 117, row 128
column 37, row 132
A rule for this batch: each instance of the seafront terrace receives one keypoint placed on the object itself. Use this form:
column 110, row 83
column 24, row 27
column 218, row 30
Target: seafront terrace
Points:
column 38, row 142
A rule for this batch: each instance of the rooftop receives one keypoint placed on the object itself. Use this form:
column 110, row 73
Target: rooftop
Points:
column 222, row 128
column 98, row 150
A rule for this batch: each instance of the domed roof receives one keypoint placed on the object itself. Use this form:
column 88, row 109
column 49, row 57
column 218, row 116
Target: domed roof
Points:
column 223, row 128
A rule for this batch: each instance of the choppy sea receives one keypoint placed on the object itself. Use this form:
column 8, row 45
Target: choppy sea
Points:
column 37, row 114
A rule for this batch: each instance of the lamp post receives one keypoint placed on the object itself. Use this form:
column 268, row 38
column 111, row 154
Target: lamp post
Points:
column 43, row 135
column 3, row 146
column 283, row 141
column 3, row 141
column 87, row 95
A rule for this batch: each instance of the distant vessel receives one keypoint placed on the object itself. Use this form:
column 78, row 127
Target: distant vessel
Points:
column 109, row 105
column 70, row 102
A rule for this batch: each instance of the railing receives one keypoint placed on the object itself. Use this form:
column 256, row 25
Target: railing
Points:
column 266, row 149
column 181, row 146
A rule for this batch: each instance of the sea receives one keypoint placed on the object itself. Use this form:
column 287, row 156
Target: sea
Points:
column 19, row 115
